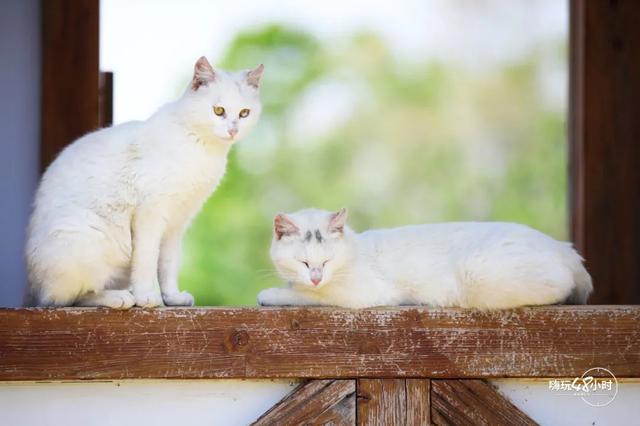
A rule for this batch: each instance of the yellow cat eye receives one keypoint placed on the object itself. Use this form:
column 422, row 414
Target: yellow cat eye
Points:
column 244, row 113
column 218, row 110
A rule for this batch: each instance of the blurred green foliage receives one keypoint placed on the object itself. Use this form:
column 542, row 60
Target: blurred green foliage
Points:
column 404, row 143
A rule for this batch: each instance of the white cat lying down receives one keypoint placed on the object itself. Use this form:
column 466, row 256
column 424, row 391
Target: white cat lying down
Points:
column 487, row 265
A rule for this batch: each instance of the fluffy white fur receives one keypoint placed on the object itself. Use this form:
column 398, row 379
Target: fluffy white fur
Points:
column 470, row 265
column 111, row 210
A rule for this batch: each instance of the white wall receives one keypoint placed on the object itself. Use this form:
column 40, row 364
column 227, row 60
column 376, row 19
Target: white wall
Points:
column 20, row 137
column 548, row 408
column 239, row 402
column 153, row 403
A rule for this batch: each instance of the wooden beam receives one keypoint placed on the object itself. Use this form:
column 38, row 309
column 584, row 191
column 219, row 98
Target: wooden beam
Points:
column 341, row 414
column 86, row 343
column 473, row 402
column 70, row 63
column 418, row 401
column 314, row 402
column 381, row 402
column 393, row 402
column 604, row 144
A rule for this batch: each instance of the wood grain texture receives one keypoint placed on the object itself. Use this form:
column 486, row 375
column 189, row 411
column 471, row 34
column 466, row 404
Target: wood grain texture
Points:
column 381, row 402
column 473, row 402
column 317, row 402
column 604, row 145
column 341, row 414
column 86, row 343
column 393, row 402
column 70, row 73
column 418, row 401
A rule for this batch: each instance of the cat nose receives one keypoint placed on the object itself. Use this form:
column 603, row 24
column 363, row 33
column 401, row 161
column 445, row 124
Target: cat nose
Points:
column 232, row 132
column 316, row 276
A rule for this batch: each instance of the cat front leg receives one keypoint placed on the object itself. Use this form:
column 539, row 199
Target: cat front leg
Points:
column 147, row 227
column 170, row 252
column 286, row 297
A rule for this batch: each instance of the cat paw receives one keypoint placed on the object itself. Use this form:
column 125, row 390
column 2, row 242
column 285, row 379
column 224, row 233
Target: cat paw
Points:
column 269, row 297
column 183, row 298
column 149, row 299
column 114, row 299
column 122, row 300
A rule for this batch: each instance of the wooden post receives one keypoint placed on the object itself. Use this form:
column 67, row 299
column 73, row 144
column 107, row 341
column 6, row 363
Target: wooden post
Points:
column 105, row 111
column 70, row 73
column 605, row 144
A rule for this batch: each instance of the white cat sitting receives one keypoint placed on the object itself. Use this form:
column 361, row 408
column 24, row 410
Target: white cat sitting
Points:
column 470, row 265
column 111, row 210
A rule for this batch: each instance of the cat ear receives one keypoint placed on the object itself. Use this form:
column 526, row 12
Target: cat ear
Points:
column 203, row 74
column 254, row 76
column 337, row 221
column 283, row 226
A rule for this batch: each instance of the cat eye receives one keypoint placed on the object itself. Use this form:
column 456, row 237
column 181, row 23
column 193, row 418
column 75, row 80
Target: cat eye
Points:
column 305, row 264
column 244, row 113
column 218, row 110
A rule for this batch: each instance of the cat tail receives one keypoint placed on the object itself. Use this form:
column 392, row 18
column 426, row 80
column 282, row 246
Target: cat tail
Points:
column 583, row 285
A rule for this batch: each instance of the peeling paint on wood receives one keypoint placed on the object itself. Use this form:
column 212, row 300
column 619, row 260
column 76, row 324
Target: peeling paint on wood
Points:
column 85, row 343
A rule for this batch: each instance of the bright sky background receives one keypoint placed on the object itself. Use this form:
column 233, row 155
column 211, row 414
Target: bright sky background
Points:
column 152, row 44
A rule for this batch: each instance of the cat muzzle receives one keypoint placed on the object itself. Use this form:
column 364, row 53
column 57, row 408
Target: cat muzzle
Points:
column 316, row 275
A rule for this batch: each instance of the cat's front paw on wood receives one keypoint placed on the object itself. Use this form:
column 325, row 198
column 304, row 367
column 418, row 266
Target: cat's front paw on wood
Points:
column 183, row 298
column 120, row 300
column 149, row 299
column 270, row 297
column 116, row 299
column 284, row 297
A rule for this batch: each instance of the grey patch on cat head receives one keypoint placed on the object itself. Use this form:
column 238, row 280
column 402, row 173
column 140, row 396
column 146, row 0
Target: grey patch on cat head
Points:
column 307, row 236
column 319, row 236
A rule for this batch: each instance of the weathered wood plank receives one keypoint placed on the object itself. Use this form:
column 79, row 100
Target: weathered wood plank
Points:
column 317, row 402
column 393, row 402
column 75, row 343
column 381, row 402
column 341, row 414
column 418, row 401
column 473, row 402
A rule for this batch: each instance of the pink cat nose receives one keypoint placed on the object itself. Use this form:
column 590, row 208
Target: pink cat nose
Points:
column 316, row 275
column 232, row 132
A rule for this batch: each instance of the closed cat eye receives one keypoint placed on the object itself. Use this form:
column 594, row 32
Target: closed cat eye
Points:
column 244, row 113
column 305, row 264
column 218, row 110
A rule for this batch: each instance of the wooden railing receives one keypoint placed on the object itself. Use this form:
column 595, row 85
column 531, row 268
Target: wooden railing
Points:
column 557, row 341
